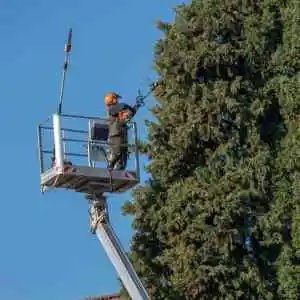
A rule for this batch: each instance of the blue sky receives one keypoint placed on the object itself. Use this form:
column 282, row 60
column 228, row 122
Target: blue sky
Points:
column 46, row 251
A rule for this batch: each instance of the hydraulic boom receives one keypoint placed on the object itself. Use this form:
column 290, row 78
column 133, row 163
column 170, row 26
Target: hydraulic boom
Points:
column 101, row 226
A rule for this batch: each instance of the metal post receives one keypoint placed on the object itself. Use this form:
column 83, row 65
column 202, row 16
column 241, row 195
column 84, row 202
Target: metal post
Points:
column 40, row 146
column 91, row 164
column 137, row 158
column 64, row 145
column 58, row 143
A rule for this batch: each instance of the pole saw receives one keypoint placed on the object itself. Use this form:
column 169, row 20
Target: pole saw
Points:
column 140, row 98
column 67, row 51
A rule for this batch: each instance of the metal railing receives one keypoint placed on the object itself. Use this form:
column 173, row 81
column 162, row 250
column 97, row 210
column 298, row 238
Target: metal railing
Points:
column 76, row 147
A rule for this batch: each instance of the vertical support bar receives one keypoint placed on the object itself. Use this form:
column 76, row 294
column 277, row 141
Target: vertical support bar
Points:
column 64, row 146
column 57, row 143
column 136, row 148
column 120, row 261
column 89, row 143
column 40, row 148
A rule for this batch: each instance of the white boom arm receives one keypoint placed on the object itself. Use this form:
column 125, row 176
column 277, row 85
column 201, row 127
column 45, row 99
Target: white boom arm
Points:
column 119, row 259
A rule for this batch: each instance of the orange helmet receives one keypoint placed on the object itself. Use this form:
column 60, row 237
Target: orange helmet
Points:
column 111, row 98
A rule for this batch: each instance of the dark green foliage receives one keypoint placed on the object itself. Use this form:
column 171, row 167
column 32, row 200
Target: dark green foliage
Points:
column 218, row 219
column 282, row 224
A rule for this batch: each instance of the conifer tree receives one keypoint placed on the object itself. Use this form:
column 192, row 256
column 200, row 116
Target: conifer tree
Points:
column 282, row 224
column 218, row 150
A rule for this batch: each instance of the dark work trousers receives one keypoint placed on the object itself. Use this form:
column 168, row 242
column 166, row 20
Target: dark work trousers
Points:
column 118, row 152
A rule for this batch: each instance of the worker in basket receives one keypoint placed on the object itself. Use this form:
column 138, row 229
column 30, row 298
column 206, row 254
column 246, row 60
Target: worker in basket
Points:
column 118, row 116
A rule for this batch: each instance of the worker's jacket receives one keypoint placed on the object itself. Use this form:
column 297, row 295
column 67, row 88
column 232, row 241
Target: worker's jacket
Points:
column 117, row 124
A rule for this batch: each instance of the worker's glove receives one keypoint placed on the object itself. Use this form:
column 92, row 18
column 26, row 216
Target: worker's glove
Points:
column 139, row 99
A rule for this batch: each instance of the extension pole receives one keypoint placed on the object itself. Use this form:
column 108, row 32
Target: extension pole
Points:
column 67, row 51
